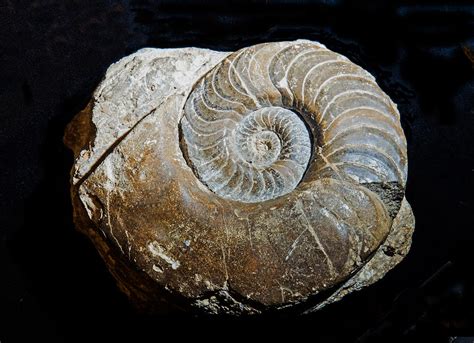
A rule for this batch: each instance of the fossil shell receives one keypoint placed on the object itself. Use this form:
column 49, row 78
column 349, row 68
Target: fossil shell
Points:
column 245, row 123
column 249, row 181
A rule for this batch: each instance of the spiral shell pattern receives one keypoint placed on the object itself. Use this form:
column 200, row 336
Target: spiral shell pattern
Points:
column 244, row 130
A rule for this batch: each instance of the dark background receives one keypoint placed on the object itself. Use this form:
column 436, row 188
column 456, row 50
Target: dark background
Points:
column 53, row 285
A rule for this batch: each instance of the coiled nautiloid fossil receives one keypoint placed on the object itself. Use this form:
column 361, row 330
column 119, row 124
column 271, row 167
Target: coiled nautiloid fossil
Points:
column 242, row 182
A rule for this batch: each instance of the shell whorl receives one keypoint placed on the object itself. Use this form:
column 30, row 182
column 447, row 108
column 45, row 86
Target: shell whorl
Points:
column 273, row 115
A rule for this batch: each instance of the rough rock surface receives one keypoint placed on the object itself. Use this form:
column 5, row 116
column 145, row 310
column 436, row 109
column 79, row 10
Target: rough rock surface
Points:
column 173, row 241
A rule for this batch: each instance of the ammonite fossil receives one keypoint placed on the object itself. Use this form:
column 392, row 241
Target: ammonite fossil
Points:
column 265, row 179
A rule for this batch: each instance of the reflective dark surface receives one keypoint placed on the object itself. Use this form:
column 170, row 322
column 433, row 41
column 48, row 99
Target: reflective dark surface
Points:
column 54, row 287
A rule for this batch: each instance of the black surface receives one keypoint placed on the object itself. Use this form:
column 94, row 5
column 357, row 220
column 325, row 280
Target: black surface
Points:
column 54, row 287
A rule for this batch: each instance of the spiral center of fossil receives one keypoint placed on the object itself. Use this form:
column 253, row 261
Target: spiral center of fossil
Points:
column 253, row 157
column 262, row 149
column 275, row 143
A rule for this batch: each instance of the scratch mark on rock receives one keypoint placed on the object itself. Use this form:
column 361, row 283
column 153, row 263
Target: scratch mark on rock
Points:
column 313, row 233
column 294, row 245
column 225, row 264
column 328, row 163
column 111, row 230
column 128, row 242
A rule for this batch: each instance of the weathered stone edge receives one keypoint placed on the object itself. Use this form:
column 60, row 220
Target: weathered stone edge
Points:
column 387, row 256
